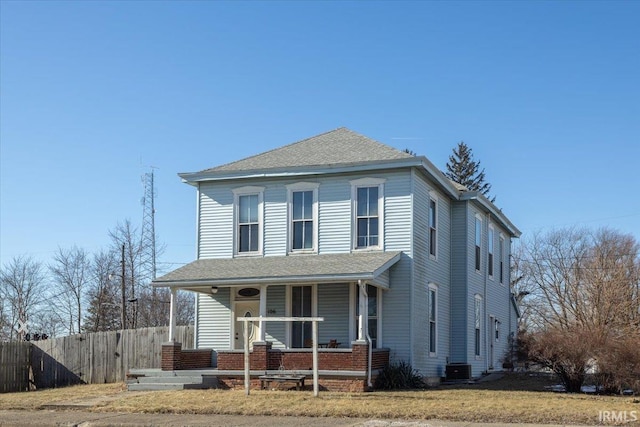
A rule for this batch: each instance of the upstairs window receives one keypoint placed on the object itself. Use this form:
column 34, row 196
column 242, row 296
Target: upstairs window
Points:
column 433, row 217
column 478, row 242
column 302, row 220
column 248, row 207
column 501, row 255
column 303, row 214
column 490, row 251
column 368, row 215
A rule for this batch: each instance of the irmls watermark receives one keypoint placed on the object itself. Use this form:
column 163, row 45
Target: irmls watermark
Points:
column 618, row 417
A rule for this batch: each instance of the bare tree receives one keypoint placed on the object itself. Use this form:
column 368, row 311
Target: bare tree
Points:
column 71, row 272
column 583, row 296
column 22, row 281
column 103, row 305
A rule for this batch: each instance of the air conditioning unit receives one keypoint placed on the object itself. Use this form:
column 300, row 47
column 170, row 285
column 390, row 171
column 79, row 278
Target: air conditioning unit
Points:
column 458, row 371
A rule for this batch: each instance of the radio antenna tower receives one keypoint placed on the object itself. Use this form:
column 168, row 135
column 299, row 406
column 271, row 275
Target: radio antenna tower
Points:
column 149, row 226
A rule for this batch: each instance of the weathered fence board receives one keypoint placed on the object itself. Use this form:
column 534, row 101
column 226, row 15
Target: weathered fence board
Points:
column 14, row 366
column 96, row 358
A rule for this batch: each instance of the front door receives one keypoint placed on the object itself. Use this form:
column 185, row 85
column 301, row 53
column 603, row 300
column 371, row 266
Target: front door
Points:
column 245, row 309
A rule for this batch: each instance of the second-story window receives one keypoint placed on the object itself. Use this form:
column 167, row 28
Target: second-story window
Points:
column 367, row 221
column 302, row 220
column 303, row 217
column 501, row 255
column 478, row 242
column 368, row 215
column 248, row 218
column 490, row 251
column 432, row 226
column 248, row 225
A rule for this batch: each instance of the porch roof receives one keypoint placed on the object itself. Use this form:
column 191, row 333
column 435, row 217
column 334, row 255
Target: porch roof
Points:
column 348, row 267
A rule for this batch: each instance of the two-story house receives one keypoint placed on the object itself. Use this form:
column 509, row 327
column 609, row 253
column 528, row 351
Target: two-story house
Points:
column 401, row 263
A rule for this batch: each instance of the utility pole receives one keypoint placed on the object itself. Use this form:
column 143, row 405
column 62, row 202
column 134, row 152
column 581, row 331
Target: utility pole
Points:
column 123, row 319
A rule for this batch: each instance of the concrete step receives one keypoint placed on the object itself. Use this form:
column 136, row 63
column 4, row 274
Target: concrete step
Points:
column 171, row 380
column 147, row 380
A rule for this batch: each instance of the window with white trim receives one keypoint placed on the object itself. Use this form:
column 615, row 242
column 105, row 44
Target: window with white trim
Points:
column 303, row 214
column 478, row 242
column 433, row 226
column 248, row 220
column 490, row 259
column 433, row 319
column 367, row 199
column 477, row 310
column 373, row 294
column 501, row 255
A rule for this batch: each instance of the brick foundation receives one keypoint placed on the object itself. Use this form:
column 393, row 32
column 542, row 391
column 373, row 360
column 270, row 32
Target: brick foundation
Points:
column 195, row 359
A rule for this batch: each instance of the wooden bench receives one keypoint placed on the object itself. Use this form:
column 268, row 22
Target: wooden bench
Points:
column 266, row 380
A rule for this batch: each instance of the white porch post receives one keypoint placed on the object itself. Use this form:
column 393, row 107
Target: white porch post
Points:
column 363, row 308
column 263, row 313
column 172, row 315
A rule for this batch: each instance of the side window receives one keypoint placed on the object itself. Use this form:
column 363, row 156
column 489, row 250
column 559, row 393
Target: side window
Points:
column 478, row 242
column 433, row 322
column 477, row 322
column 433, row 226
column 490, row 258
column 501, row 255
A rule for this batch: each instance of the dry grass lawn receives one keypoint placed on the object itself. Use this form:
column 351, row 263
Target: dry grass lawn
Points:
column 512, row 399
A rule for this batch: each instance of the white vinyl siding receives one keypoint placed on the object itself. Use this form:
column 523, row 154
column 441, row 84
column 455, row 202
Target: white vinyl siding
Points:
column 214, row 321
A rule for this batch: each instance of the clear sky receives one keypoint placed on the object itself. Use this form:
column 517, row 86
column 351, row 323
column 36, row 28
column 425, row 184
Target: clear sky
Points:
column 547, row 94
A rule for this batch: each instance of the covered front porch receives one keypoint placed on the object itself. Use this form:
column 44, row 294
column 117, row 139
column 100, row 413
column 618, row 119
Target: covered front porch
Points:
column 344, row 289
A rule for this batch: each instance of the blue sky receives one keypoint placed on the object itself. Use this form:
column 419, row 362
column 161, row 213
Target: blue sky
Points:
column 547, row 94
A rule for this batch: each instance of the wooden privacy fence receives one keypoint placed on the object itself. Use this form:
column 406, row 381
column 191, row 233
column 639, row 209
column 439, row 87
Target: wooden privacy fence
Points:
column 14, row 366
column 92, row 358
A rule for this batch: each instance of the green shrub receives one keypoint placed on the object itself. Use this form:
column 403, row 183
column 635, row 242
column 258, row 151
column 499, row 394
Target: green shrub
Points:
column 398, row 376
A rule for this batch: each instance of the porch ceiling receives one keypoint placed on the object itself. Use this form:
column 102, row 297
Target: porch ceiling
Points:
column 335, row 268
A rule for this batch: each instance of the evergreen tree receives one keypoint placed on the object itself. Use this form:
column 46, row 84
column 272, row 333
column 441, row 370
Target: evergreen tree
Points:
column 463, row 169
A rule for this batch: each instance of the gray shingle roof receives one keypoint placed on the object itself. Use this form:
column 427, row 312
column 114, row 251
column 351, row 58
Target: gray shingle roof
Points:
column 281, row 269
column 340, row 146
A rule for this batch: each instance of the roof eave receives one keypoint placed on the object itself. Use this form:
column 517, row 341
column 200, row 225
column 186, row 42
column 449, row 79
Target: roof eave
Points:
column 489, row 207
column 340, row 278
column 194, row 177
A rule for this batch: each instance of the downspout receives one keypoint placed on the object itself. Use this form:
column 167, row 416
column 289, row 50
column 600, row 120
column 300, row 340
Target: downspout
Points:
column 363, row 286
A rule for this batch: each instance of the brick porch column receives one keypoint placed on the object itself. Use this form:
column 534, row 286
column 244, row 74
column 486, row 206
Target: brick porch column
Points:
column 359, row 355
column 171, row 356
column 259, row 358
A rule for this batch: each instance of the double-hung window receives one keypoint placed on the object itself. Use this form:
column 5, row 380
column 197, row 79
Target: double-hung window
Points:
column 368, row 213
column 372, row 313
column 433, row 224
column 248, row 218
column 478, row 242
column 433, row 316
column 303, row 208
column 477, row 310
column 490, row 258
column 501, row 255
